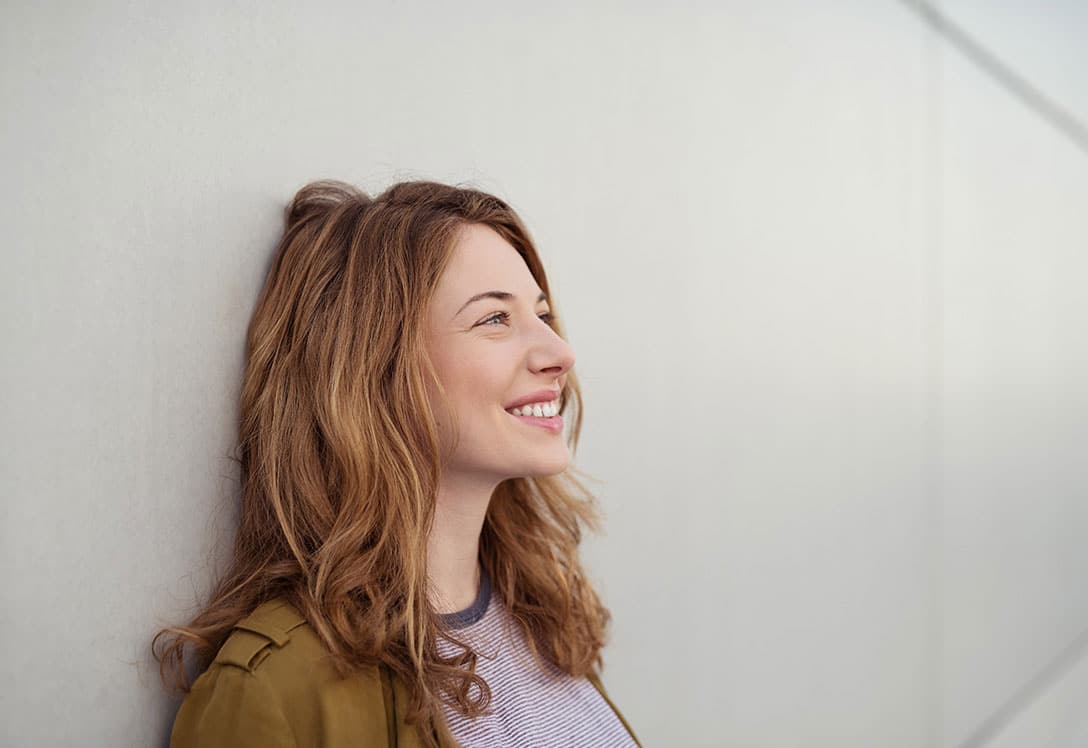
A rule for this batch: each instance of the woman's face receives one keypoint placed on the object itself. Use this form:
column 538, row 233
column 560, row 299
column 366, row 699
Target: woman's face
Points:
column 490, row 353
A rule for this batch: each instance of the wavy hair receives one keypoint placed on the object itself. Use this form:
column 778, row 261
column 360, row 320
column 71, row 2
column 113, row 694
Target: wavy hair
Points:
column 340, row 459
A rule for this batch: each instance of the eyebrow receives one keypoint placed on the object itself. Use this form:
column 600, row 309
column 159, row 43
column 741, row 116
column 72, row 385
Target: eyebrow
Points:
column 500, row 295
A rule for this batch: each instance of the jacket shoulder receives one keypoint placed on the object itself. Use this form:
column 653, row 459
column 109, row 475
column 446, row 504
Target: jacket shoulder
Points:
column 267, row 629
column 272, row 680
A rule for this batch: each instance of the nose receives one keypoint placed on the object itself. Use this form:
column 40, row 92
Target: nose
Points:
column 551, row 354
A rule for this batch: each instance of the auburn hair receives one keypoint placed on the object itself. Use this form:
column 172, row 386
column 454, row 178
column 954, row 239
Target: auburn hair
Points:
column 340, row 460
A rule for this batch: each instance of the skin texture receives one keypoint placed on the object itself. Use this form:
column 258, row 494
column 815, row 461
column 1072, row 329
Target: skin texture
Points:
column 485, row 361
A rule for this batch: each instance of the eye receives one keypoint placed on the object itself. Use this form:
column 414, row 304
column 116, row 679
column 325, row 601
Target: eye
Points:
column 497, row 316
column 548, row 318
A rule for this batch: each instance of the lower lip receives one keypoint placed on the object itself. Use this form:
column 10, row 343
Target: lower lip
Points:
column 553, row 424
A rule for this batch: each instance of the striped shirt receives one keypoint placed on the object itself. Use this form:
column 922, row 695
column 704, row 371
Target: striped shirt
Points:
column 530, row 706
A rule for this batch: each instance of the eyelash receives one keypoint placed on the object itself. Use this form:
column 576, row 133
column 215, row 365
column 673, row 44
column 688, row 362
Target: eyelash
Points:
column 548, row 317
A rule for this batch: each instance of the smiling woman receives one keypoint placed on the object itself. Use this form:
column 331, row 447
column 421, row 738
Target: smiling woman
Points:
column 406, row 567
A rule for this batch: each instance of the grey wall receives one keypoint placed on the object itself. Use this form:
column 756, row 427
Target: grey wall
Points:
column 823, row 277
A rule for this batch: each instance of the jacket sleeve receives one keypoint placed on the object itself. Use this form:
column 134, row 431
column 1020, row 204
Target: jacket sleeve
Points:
column 230, row 707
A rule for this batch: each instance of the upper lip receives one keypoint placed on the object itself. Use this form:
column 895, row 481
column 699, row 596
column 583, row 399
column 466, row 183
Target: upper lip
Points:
column 540, row 396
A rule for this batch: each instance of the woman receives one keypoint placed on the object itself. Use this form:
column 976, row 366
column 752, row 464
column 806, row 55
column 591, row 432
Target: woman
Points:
column 406, row 566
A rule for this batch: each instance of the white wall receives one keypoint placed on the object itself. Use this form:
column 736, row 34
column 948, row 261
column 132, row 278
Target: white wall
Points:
column 821, row 274
column 1014, row 407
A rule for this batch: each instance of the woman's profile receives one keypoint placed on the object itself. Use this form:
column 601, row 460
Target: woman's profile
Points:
column 406, row 567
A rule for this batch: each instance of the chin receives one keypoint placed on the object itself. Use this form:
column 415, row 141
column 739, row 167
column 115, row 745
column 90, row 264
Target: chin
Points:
column 543, row 467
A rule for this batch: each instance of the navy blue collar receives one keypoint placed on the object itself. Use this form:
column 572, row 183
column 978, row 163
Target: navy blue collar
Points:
column 474, row 612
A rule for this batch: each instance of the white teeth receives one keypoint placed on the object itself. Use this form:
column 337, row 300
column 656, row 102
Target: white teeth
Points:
column 540, row 410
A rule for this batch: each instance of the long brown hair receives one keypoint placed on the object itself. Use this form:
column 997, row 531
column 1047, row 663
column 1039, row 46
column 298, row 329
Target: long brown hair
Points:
column 340, row 459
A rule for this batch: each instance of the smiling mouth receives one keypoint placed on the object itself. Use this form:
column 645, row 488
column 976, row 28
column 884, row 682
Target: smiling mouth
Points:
column 551, row 423
column 540, row 410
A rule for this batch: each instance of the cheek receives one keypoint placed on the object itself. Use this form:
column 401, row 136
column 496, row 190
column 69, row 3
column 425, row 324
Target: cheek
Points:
column 483, row 386
column 477, row 378
column 479, row 384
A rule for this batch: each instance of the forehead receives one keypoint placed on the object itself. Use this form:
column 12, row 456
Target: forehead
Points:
column 482, row 260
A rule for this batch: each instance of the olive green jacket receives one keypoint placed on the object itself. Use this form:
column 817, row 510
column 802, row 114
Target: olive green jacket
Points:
column 272, row 686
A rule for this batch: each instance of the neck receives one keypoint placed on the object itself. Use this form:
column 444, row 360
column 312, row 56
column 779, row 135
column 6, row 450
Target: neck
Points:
column 453, row 547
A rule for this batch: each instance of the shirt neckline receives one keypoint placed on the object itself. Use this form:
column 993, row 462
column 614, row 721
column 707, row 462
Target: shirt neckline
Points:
column 473, row 613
